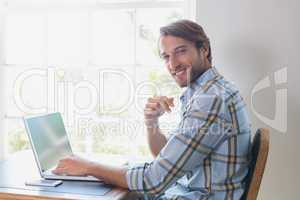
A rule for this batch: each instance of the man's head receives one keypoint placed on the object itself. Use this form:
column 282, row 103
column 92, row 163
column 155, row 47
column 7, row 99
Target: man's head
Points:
column 186, row 51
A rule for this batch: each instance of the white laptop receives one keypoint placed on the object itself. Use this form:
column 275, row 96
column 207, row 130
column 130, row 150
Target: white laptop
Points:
column 50, row 143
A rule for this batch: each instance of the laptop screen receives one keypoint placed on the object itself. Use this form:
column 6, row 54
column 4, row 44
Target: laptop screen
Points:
column 49, row 139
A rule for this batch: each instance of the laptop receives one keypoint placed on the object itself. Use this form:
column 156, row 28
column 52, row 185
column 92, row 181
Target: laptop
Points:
column 50, row 143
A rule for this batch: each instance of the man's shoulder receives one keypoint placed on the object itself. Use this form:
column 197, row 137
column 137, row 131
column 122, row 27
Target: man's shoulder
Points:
column 223, row 89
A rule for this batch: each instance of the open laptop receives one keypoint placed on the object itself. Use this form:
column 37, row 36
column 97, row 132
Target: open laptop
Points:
column 50, row 143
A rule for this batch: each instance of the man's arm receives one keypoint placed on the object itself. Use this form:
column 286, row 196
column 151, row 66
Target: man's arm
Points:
column 156, row 107
column 156, row 140
column 77, row 166
column 112, row 175
column 196, row 138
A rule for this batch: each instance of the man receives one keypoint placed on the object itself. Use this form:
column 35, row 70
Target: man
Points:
column 206, row 156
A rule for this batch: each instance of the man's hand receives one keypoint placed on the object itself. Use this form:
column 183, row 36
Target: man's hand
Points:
column 156, row 107
column 76, row 166
column 73, row 166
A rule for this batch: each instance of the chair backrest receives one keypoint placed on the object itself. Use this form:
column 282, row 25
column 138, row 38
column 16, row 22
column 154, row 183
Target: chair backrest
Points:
column 259, row 151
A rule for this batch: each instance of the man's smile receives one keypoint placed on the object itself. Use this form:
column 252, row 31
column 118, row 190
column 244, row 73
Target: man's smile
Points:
column 180, row 73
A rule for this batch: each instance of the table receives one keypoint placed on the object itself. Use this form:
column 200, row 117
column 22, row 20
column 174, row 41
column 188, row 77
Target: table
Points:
column 21, row 167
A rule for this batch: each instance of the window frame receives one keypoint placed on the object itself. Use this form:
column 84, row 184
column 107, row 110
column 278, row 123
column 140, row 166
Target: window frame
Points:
column 189, row 8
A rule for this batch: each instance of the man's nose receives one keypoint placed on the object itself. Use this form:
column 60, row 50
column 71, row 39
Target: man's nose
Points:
column 173, row 62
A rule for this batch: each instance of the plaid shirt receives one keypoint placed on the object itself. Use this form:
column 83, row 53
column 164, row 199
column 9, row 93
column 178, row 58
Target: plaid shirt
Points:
column 206, row 156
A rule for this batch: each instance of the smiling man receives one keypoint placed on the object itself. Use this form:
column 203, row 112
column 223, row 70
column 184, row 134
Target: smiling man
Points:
column 206, row 156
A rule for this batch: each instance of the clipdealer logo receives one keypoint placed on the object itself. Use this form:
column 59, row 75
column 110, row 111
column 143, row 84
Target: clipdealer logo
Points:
column 279, row 122
column 61, row 94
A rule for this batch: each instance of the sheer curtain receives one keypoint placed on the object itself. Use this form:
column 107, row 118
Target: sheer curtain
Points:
column 1, row 113
column 70, row 49
column 1, row 86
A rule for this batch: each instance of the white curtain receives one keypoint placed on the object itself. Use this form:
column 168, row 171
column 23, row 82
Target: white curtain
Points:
column 2, row 96
column 1, row 112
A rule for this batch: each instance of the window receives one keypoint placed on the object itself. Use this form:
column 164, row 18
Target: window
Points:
column 95, row 62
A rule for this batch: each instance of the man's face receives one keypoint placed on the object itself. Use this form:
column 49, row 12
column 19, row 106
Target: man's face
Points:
column 184, row 61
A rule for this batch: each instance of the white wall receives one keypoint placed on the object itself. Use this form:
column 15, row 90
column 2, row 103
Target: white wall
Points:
column 252, row 40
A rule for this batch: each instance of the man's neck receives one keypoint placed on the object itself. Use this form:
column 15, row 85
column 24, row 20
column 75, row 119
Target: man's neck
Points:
column 200, row 74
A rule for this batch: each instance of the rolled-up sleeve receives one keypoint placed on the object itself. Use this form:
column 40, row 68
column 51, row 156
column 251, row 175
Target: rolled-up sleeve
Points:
column 200, row 131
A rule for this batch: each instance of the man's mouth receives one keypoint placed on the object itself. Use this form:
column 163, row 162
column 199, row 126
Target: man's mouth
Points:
column 179, row 72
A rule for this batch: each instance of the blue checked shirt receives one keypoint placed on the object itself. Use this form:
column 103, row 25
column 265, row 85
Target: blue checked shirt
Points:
column 206, row 156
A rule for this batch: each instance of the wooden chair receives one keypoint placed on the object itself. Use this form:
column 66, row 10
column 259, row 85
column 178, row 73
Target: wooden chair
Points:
column 260, row 149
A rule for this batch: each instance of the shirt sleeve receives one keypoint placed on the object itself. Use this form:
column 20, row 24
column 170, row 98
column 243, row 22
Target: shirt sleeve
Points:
column 199, row 133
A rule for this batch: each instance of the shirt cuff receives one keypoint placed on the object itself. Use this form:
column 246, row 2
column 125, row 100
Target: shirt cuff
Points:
column 134, row 178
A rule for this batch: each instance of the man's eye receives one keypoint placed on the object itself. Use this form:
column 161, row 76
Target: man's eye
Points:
column 181, row 51
column 165, row 58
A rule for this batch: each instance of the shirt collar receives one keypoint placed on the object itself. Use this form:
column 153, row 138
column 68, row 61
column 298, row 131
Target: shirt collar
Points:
column 208, row 75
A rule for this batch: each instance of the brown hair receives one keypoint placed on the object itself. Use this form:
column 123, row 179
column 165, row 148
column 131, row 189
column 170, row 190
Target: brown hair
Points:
column 190, row 31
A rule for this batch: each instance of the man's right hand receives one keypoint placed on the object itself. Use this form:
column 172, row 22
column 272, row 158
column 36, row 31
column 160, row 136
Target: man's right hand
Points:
column 156, row 107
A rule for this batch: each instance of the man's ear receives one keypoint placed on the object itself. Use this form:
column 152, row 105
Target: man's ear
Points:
column 205, row 50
